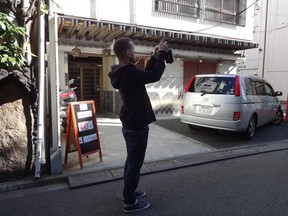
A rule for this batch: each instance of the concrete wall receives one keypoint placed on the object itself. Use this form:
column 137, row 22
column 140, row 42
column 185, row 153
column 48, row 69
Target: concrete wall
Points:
column 227, row 68
column 270, row 60
column 276, row 64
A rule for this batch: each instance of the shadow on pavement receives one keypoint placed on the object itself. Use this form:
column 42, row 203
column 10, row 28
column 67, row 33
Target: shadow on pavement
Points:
column 225, row 139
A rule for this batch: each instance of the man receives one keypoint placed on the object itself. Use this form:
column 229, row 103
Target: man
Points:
column 136, row 112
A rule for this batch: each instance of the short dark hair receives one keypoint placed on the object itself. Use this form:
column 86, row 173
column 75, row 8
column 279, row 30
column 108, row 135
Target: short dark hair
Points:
column 121, row 46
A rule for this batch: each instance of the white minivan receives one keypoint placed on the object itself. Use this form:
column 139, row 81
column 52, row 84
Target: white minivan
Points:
column 230, row 102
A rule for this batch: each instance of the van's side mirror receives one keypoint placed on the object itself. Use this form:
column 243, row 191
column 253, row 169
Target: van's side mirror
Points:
column 278, row 93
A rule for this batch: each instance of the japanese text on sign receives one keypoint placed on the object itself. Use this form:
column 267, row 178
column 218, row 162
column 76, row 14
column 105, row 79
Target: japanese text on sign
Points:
column 85, row 114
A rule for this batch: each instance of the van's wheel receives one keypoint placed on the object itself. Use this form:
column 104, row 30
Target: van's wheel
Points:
column 278, row 117
column 250, row 131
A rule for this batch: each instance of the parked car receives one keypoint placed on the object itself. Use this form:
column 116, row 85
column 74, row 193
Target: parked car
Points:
column 230, row 102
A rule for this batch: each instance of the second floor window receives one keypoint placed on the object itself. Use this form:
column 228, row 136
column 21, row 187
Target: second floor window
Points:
column 226, row 11
column 188, row 8
column 222, row 11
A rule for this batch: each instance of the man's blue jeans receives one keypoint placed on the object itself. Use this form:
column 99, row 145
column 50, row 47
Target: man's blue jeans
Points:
column 136, row 143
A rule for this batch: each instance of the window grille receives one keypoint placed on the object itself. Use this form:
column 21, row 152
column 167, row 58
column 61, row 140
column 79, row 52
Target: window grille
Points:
column 188, row 8
column 227, row 11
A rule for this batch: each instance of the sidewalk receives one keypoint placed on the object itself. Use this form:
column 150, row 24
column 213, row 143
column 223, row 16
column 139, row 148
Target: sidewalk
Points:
column 162, row 144
column 166, row 151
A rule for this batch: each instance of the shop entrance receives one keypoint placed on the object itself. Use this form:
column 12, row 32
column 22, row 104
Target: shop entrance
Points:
column 87, row 75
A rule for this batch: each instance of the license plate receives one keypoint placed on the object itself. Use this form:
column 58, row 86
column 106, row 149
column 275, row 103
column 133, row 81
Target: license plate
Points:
column 205, row 110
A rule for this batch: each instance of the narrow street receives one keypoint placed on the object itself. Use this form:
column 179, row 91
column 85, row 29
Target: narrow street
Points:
column 252, row 185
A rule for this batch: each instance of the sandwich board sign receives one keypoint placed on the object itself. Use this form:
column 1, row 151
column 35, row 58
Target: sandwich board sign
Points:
column 82, row 130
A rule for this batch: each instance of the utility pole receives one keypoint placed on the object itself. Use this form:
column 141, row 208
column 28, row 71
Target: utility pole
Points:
column 265, row 36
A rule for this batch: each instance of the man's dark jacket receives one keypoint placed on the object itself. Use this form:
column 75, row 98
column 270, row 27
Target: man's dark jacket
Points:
column 136, row 111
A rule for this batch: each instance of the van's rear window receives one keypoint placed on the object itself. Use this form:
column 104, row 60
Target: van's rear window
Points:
column 213, row 85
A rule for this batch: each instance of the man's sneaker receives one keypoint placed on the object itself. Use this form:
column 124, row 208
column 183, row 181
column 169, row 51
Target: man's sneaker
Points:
column 137, row 206
column 140, row 194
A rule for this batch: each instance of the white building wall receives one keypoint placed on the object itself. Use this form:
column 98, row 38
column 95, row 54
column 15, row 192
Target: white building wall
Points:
column 276, row 64
column 227, row 68
column 142, row 13
column 253, row 63
column 270, row 60
column 180, row 23
column 82, row 8
column 112, row 10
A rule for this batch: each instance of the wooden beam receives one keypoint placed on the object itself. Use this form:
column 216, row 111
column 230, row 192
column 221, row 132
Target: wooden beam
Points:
column 94, row 30
column 71, row 28
column 60, row 24
column 84, row 27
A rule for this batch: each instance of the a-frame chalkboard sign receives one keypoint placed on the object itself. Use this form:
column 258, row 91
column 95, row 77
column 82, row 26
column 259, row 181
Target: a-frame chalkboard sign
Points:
column 82, row 130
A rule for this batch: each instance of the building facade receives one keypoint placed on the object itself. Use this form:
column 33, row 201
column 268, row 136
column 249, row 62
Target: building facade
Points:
column 207, row 36
column 270, row 32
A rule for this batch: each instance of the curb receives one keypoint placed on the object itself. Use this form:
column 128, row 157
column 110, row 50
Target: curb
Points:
column 152, row 167
column 113, row 174
column 29, row 183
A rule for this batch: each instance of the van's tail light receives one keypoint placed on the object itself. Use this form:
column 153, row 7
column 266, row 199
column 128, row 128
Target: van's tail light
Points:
column 182, row 109
column 189, row 84
column 236, row 116
column 237, row 86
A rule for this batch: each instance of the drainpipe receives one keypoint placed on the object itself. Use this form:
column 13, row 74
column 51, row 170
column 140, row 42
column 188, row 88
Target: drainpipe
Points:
column 132, row 12
column 41, row 89
column 265, row 35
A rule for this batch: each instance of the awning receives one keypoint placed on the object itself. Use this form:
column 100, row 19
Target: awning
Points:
column 86, row 29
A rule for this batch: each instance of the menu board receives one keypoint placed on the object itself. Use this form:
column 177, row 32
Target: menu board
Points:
column 83, row 126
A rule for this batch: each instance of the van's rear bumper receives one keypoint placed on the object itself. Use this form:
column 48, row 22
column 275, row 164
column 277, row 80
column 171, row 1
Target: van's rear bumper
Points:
column 214, row 123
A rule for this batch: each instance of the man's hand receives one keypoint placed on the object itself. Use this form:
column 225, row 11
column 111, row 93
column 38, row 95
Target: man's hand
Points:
column 163, row 46
column 155, row 53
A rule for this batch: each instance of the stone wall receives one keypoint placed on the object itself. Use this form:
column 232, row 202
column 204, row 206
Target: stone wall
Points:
column 17, row 109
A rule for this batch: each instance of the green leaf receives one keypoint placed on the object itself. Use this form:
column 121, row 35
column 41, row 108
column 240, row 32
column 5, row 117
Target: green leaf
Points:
column 3, row 26
column 4, row 48
column 12, row 60
column 4, row 58
column 11, row 53
column 45, row 9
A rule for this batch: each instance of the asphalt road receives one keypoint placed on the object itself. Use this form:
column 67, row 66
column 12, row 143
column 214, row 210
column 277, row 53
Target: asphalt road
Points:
column 224, row 139
column 252, row 186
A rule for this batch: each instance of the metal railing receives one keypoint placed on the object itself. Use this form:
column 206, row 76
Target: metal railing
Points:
column 178, row 7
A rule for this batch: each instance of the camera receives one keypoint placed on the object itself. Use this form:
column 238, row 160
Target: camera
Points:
column 168, row 56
